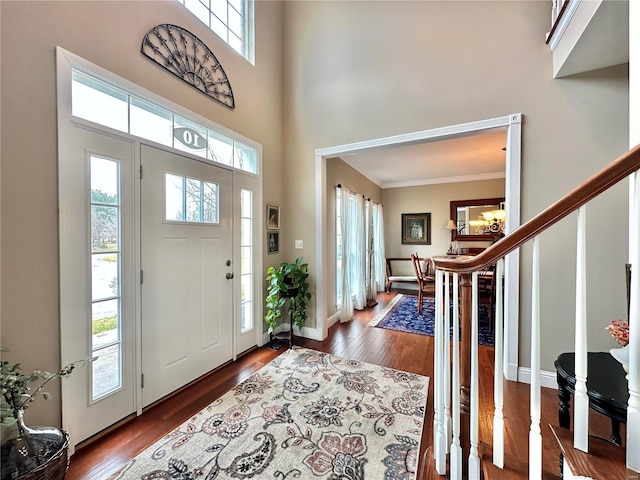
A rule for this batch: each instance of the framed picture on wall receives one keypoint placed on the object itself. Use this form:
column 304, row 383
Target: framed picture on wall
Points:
column 416, row 229
column 273, row 216
column 273, row 242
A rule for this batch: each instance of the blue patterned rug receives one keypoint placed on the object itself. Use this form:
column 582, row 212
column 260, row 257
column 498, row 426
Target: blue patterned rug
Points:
column 402, row 314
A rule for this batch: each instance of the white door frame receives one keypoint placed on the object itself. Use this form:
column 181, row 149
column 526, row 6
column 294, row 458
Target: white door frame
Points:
column 65, row 61
column 512, row 123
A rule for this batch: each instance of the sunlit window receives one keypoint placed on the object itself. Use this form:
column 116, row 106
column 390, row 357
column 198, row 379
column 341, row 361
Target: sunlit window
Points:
column 190, row 200
column 246, row 261
column 106, row 269
column 231, row 20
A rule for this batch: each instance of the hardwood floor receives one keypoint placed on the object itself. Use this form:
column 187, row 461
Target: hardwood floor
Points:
column 410, row 352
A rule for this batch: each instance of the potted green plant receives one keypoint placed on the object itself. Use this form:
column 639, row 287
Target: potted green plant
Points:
column 287, row 282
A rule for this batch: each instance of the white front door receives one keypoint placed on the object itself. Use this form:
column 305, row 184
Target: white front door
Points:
column 187, row 270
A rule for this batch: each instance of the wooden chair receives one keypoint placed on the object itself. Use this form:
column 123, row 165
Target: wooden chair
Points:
column 425, row 273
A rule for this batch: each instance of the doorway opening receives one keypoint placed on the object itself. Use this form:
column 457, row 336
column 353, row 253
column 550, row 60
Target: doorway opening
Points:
column 512, row 124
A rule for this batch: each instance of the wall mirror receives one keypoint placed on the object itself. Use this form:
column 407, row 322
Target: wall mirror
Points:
column 478, row 219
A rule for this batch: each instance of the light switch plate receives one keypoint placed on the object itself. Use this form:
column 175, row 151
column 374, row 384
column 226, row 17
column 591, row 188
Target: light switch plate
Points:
column 298, row 244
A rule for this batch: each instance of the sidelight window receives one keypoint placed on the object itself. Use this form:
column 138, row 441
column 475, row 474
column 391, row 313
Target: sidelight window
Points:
column 106, row 272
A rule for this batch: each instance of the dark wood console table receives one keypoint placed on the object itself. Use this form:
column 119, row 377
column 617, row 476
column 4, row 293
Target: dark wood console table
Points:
column 607, row 388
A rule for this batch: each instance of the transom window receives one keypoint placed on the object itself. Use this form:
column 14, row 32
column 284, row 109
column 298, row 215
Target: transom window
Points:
column 106, row 104
column 231, row 20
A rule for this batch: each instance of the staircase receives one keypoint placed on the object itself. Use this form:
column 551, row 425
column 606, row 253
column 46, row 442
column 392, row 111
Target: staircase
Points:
column 457, row 451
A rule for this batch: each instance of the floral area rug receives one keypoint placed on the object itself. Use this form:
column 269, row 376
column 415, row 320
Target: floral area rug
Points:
column 307, row 415
column 401, row 313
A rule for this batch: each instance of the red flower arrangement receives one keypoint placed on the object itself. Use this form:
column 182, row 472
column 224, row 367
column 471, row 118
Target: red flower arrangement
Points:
column 619, row 329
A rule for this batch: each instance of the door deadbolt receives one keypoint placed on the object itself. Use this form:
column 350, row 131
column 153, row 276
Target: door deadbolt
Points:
column 228, row 263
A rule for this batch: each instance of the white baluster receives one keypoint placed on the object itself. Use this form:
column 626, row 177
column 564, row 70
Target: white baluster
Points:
column 474, row 458
column 440, row 448
column 633, row 407
column 535, row 437
column 581, row 400
column 455, row 467
column 447, row 362
column 498, row 386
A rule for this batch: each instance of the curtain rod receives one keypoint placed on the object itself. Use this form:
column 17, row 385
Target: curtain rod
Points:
column 339, row 185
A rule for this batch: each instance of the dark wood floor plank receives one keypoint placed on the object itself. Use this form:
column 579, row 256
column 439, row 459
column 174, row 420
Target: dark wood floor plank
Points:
column 409, row 352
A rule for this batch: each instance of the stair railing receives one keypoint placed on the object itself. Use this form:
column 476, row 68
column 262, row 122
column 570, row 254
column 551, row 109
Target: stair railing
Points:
column 456, row 430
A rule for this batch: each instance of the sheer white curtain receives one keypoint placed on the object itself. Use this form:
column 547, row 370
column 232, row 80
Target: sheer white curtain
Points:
column 379, row 269
column 362, row 265
column 359, row 251
column 371, row 285
column 346, row 307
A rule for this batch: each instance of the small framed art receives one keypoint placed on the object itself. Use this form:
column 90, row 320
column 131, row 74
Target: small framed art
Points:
column 416, row 229
column 273, row 216
column 273, row 242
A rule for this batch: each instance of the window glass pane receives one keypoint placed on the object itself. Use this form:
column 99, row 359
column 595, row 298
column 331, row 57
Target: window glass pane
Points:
column 245, row 260
column 104, row 275
column 98, row 102
column 198, row 9
column 235, row 42
column 220, row 148
column 104, row 323
column 210, row 203
column 247, row 317
column 218, row 27
column 189, row 137
column 245, row 232
column 174, row 196
column 104, row 181
column 151, row 122
column 194, row 200
column 237, row 4
column 246, row 158
column 246, row 288
column 219, row 9
column 104, row 228
column 235, row 23
column 246, row 204
column 107, row 373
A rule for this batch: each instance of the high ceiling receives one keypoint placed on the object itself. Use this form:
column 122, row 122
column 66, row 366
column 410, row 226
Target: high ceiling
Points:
column 472, row 157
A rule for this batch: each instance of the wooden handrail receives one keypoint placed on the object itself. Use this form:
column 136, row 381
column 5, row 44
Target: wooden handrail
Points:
column 616, row 171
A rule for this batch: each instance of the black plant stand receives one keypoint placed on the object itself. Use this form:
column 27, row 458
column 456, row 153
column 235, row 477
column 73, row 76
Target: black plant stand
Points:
column 279, row 340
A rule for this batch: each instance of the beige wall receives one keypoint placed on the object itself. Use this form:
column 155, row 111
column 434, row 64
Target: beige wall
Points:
column 108, row 34
column 434, row 199
column 356, row 71
column 338, row 172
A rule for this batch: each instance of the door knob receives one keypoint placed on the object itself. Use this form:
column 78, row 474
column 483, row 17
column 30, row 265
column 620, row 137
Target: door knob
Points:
column 229, row 276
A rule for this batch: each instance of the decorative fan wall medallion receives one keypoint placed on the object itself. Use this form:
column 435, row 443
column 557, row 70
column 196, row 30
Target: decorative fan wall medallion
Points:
column 187, row 57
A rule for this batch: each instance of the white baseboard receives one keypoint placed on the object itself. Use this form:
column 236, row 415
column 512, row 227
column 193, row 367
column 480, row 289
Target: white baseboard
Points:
column 511, row 372
column 547, row 379
column 311, row 333
column 333, row 319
